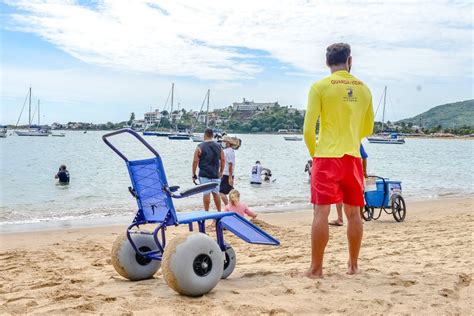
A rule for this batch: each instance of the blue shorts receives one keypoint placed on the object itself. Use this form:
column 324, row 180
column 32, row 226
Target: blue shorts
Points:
column 203, row 180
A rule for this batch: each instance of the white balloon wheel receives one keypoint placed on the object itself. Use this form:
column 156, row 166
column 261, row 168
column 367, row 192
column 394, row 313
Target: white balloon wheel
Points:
column 229, row 262
column 131, row 265
column 192, row 264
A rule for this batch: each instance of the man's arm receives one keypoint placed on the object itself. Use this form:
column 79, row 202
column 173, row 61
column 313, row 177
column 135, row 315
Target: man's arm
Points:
column 221, row 167
column 231, row 173
column 231, row 167
column 364, row 167
column 313, row 111
column 197, row 153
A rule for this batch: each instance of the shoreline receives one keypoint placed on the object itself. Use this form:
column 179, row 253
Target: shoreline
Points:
column 418, row 266
column 50, row 225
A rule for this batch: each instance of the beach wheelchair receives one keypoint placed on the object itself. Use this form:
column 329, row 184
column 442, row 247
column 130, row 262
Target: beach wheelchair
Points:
column 386, row 196
column 193, row 263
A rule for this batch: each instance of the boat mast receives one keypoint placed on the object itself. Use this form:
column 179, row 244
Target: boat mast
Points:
column 207, row 110
column 29, row 109
column 172, row 98
column 383, row 112
column 38, row 112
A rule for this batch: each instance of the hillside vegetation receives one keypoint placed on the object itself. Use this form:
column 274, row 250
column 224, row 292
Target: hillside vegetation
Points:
column 445, row 116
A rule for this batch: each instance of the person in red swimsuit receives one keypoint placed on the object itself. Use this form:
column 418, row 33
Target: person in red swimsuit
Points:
column 343, row 104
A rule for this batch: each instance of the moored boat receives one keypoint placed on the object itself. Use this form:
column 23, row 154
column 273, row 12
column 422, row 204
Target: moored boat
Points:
column 292, row 138
column 180, row 136
column 33, row 130
column 197, row 139
column 159, row 134
column 386, row 137
column 381, row 139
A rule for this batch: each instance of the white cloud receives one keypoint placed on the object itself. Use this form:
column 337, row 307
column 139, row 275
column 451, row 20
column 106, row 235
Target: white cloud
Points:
column 199, row 38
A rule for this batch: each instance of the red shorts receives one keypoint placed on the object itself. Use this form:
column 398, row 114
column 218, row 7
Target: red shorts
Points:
column 336, row 180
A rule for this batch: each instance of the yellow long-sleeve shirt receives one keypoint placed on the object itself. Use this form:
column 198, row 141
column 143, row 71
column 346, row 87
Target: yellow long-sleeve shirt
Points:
column 344, row 105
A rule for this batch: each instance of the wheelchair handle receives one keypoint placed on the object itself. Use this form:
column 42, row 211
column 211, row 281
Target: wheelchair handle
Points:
column 133, row 133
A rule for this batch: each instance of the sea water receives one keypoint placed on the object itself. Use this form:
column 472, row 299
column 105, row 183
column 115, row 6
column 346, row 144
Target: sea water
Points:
column 98, row 194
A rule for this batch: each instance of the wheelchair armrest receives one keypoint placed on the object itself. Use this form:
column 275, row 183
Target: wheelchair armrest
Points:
column 174, row 188
column 194, row 190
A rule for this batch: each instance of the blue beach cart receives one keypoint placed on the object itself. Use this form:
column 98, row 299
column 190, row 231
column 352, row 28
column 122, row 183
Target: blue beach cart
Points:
column 192, row 263
column 387, row 196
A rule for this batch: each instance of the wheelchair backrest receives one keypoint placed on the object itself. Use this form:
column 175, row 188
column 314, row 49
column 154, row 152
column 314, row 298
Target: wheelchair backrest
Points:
column 148, row 179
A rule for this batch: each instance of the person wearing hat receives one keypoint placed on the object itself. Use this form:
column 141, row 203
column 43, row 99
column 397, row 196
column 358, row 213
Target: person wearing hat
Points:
column 227, row 180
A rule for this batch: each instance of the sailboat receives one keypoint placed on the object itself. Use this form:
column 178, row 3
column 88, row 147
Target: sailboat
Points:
column 200, row 138
column 161, row 133
column 33, row 130
column 177, row 135
column 383, row 138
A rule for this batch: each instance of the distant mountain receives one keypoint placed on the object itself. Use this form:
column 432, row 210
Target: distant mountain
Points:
column 447, row 115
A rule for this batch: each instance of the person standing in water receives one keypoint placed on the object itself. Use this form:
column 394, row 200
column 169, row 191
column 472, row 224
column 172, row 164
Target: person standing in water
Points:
column 210, row 159
column 344, row 105
column 62, row 175
column 256, row 173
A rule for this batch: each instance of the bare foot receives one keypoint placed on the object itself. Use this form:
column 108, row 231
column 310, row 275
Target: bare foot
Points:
column 313, row 275
column 352, row 269
column 336, row 223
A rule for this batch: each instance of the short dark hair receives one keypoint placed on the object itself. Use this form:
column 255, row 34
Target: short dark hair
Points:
column 258, row 161
column 337, row 53
column 208, row 132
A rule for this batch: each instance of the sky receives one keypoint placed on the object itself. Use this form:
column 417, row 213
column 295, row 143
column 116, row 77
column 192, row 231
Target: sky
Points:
column 98, row 61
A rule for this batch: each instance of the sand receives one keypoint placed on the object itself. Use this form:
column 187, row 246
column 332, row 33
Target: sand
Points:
column 420, row 266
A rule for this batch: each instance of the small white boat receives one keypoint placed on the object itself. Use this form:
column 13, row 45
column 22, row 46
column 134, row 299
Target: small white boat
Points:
column 386, row 138
column 392, row 139
column 59, row 135
column 34, row 132
column 180, row 136
column 197, row 139
column 293, row 138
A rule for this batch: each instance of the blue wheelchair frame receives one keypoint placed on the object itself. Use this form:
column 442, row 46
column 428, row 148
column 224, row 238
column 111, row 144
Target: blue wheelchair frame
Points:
column 155, row 205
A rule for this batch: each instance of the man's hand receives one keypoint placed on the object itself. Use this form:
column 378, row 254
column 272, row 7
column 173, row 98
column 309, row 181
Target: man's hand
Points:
column 231, row 181
column 194, row 178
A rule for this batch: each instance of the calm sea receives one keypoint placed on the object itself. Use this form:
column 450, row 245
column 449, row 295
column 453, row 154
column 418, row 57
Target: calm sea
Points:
column 97, row 194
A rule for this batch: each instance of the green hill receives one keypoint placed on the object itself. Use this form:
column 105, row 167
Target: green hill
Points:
column 447, row 115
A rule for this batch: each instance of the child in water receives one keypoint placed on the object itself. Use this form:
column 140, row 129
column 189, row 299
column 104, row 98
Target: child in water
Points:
column 236, row 206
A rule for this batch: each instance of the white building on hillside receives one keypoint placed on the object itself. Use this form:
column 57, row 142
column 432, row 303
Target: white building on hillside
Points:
column 252, row 106
column 152, row 117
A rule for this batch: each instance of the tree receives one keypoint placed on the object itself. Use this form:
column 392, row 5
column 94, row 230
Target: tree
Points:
column 132, row 118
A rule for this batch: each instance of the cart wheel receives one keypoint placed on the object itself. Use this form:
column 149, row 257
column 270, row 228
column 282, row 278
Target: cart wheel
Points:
column 192, row 264
column 229, row 262
column 398, row 208
column 367, row 213
column 131, row 265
